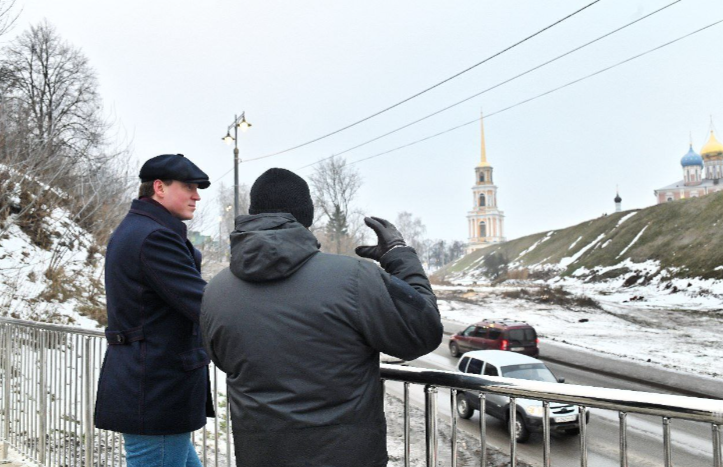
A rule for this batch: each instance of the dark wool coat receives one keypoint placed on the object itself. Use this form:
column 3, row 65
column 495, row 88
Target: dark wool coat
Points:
column 298, row 333
column 154, row 379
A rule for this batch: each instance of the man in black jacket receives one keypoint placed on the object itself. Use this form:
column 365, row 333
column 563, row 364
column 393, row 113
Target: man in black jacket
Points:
column 154, row 385
column 298, row 332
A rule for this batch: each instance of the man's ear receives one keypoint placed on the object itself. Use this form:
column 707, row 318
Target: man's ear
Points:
column 159, row 189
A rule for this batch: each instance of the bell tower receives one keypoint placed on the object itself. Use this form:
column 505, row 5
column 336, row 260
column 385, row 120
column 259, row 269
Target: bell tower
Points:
column 485, row 220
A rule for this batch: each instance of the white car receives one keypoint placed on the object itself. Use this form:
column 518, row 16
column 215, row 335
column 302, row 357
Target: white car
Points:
column 563, row 417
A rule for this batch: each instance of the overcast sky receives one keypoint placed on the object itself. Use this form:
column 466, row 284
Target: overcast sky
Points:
column 174, row 73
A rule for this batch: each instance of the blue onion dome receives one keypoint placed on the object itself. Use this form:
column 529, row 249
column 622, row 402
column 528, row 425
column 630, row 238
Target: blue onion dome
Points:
column 691, row 158
column 618, row 198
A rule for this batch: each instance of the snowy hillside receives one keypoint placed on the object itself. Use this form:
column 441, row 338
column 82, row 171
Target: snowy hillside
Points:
column 672, row 251
column 51, row 270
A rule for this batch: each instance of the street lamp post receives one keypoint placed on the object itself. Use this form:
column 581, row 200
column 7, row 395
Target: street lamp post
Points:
column 238, row 122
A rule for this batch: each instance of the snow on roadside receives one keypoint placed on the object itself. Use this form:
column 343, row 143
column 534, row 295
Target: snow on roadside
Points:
column 659, row 336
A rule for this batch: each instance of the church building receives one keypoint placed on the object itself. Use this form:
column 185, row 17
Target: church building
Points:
column 702, row 173
column 485, row 220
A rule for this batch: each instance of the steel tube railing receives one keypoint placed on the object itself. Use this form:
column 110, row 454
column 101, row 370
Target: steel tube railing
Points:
column 667, row 443
column 483, row 428
column 546, row 462
column 646, row 403
column 582, row 412
column 407, row 428
column 49, row 378
column 513, row 431
column 623, row 439
column 716, row 446
column 430, row 399
column 453, row 411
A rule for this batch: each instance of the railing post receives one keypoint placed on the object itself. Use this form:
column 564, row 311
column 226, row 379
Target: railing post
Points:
column 623, row 439
column 43, row 399
column 582, row 414
column 453, row 408
column 407, row 440
column 513, row 431
column 88, row 409
column 546, row 462
column 716, row 446
column 483, row 428
column 668, row 450
column 430, row 399
column 6, row 389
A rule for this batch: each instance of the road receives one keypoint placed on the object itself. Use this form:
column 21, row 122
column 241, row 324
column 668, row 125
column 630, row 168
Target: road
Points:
column 691, row 441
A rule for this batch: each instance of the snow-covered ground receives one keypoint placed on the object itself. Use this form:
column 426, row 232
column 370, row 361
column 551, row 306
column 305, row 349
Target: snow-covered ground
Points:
column 24, row 284
column 51, row 269
column 676, row 330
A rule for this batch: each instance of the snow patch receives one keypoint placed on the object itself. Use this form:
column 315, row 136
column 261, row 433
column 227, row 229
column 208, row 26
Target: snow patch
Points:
column 633, row 242
column 575, row 242
column 626, row 217
column 565, row 262
column 536, row 244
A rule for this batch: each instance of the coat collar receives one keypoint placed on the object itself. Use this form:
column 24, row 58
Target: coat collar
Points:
column 160, row 215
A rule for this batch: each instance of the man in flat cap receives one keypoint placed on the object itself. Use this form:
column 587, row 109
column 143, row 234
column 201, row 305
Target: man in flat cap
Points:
column 154, row 386
column 298, row 332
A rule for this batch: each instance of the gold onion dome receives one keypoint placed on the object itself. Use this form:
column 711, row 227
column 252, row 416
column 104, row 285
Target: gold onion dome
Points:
column 713, row 149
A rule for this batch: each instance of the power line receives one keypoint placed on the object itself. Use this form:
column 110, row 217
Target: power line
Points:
column 492, row 87
column 431, row 87
column 543, row 94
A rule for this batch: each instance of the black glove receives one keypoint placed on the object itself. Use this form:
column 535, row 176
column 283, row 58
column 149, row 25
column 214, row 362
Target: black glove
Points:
column 387, row 238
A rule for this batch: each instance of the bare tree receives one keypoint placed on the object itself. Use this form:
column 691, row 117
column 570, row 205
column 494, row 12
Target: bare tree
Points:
column 226, row 216
column 54, row 88
column 412, row 230
column 335, row 185
column 54, row 147
column 7, row 15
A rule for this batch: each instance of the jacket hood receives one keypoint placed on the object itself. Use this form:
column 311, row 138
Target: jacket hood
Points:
column 270, row 246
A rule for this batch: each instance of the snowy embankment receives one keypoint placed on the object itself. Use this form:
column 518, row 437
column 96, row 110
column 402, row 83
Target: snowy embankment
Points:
column 666, row 330
column 51, row 269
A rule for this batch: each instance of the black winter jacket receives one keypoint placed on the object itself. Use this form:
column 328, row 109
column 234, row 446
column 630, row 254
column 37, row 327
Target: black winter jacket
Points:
column 154, row 379
column 298, row 333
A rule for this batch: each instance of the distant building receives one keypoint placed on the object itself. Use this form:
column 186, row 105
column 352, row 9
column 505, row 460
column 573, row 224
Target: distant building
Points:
column 197, row 239
column 485, row 221
column 618, row 201
column 702, row 173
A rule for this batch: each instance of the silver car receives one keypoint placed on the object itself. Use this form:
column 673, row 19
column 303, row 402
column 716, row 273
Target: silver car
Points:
column 563, row 417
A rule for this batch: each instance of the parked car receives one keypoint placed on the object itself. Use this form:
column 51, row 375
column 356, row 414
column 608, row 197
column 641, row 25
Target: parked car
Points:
column 496, row 335
column 563, row 417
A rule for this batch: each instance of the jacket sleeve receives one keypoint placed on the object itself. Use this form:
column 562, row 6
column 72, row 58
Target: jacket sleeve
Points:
column 207, row 332
column 172, row 274
column 397, row 309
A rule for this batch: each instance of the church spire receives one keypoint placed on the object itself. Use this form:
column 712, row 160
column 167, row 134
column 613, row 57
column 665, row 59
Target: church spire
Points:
column 483, row 161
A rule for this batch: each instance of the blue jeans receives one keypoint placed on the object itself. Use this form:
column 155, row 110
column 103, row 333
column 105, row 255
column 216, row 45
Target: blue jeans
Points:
column 160, row 451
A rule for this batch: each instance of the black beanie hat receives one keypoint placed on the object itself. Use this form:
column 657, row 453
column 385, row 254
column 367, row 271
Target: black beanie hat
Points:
column 280, row 190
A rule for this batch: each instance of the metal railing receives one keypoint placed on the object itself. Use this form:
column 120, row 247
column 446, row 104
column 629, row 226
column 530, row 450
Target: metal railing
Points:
column 49, row 379
column 624, row 402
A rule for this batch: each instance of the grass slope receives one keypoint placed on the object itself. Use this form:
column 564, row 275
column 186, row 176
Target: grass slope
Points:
column 683, row 237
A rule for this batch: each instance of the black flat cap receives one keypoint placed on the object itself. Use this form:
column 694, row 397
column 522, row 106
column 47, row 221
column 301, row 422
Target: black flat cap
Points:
column 173, row 167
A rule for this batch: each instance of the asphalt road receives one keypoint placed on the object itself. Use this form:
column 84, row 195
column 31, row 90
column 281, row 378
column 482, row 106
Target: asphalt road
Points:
column 691, row 441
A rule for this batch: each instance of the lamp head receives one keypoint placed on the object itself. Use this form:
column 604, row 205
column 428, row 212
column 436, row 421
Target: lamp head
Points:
column 243, row 124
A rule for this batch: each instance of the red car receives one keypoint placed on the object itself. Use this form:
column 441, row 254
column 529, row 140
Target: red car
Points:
column 496, row 335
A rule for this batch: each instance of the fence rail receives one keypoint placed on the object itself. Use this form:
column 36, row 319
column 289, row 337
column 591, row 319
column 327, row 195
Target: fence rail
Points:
column 49, row 379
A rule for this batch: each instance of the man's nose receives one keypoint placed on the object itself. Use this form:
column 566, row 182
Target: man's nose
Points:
column 195, row 195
